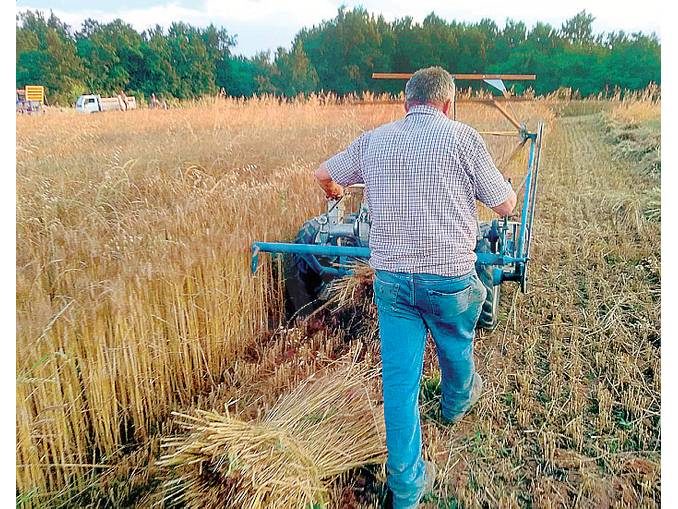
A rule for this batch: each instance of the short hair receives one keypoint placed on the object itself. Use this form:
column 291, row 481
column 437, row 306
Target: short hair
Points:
column 432, row 84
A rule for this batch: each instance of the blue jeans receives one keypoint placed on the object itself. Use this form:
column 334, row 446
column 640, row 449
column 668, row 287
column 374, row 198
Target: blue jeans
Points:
column 408, row 305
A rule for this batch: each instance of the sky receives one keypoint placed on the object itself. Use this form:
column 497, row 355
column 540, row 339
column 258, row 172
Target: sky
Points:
column 268, row 24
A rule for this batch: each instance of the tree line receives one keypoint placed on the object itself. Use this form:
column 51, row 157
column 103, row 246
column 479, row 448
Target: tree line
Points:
column 337, row 56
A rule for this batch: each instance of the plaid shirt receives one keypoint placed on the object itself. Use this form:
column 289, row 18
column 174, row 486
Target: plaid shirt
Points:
column 422, row 175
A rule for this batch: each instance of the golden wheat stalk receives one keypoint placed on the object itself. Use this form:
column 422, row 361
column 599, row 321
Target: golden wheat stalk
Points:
column 323, row 428
column 351, row 289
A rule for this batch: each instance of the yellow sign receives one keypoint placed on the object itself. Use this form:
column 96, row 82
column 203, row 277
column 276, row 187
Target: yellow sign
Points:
column 35, row 93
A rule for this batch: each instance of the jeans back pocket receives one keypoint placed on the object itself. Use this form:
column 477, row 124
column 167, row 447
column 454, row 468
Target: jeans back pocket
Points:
column 385, row 294
column 451, row 304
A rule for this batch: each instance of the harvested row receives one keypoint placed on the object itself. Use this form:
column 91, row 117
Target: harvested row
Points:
column 570, row 416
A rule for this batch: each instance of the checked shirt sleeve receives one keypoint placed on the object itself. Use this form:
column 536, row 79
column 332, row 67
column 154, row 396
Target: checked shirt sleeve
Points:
column 490, row 186
column 345, row 168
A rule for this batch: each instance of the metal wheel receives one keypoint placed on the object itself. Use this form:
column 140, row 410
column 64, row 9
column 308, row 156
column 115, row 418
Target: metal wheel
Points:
column 489, row 315
column 302, row 283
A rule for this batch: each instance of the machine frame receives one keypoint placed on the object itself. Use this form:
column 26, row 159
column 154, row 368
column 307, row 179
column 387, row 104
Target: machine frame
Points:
column 509, row 241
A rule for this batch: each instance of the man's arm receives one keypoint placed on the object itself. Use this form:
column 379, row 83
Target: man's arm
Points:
column 331, row 188
column 343, row 169
column 505, row 208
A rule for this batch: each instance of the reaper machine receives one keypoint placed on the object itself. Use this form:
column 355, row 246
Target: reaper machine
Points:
column 327, row 246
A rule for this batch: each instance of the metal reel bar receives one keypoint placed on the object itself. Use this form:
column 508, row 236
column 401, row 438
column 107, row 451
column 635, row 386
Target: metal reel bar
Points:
column 529, row 202
column 533, row 197
column 310, row 250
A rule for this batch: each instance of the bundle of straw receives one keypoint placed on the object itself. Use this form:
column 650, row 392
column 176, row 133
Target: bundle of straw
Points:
column 349, row 301
column 351, row 290
column 323, row 428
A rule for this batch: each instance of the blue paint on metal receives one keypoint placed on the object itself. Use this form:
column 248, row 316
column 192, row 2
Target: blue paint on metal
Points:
column 537, row 160
column 497, row 275
column 526, row 198
column 313, row 249
column 310, row 251
column 498, row 259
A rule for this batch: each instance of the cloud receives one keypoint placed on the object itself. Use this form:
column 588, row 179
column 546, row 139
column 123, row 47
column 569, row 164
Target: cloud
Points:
column 298, row 13
column 251, row 12
column 259, row 24
column 140, row 18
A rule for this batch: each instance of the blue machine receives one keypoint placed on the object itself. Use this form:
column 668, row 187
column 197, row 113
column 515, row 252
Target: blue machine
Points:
column 327, row 246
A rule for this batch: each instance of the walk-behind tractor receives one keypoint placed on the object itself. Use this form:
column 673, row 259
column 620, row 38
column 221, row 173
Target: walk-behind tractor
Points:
column 328, row 246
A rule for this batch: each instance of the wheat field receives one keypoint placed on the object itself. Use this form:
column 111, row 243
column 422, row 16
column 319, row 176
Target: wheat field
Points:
column 135, row 299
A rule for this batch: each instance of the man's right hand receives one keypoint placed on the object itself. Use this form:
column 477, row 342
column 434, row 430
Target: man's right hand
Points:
column 334, row 191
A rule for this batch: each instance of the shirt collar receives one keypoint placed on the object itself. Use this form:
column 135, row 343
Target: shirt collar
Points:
column 424, row 109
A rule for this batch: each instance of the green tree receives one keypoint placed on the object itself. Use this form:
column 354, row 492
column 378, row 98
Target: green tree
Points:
column 510, row 39
column 218, row 44
column 189, row 59
column 579, row 29
column 264, row 73
column 294, row 73
column 159, row 75
column 237, row 76
column 337, row 55
column 346, row 51
column 112, row 55
column 476, row 45
column 46, row 56
column 632, row 63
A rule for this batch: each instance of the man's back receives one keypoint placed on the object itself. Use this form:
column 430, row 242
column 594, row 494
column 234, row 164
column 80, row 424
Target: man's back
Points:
column 422, row 175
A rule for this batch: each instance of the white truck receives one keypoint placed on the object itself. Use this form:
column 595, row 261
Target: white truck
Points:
column 95, row 103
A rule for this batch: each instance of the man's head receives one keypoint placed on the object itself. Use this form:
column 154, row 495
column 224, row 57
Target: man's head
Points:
column 433, row 86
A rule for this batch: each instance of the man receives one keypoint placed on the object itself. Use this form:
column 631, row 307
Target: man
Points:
column 423, row 175
column 122, row 100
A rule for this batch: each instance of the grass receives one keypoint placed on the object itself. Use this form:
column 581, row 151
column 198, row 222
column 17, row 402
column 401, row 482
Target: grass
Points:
column 134, row 300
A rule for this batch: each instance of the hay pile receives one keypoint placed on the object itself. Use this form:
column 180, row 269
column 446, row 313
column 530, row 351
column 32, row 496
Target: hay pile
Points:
column 352, row 290
column 323, row 428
